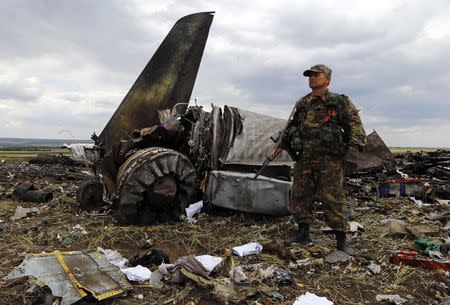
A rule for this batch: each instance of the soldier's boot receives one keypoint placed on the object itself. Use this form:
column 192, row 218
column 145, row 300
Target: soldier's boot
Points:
column 341, row 243
column 301, row 236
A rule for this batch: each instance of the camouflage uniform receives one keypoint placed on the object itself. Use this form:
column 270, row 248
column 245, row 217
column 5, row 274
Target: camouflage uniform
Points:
column 321, row 130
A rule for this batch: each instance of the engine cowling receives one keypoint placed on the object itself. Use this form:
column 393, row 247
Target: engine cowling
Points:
column 155, row 185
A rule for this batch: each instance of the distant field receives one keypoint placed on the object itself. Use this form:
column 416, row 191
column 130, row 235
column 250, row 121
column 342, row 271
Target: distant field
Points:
column 7, row 143
column 22, row 149
column 396, row 150
column 26, row 154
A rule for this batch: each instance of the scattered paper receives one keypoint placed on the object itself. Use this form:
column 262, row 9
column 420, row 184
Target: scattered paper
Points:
column 416, row 201
column 137, row 274
column 193, row 209
column 209, row 262
column 375, row 268
column 247, row 249
column 403, row 175
column 356, row 226
column 312, row 299
column 391, row 298
column 114, row 257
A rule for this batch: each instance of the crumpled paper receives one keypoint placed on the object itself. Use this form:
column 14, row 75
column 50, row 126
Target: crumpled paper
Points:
column 209, row 262
column 247, row 249
column 391, row 298
column 137, row 274
column 312, row 299
column 193, row 209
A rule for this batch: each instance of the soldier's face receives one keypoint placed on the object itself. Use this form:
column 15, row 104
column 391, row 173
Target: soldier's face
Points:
column 318, row 80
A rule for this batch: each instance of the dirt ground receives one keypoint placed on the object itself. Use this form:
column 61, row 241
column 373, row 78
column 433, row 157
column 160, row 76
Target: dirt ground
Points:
column 214, row 232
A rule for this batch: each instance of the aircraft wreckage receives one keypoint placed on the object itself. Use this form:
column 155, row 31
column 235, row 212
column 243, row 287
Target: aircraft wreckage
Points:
column 156, row 155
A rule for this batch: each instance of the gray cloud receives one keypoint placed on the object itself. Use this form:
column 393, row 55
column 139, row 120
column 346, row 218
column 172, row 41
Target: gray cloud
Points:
column 25, row 90
column 390, row 57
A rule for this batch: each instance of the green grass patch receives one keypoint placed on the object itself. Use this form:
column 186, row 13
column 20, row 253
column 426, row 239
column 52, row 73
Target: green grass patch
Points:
column 26, row 154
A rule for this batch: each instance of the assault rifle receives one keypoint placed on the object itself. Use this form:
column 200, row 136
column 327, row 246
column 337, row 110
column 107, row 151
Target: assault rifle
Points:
column 280, row 145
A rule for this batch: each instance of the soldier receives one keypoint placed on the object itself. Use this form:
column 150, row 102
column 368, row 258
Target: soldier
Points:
column 323, row 127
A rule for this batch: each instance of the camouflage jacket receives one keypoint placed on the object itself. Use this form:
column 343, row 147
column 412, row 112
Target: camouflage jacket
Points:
column 328, row 124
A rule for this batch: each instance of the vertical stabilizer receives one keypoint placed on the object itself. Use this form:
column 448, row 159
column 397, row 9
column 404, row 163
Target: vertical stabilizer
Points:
column 167, row 79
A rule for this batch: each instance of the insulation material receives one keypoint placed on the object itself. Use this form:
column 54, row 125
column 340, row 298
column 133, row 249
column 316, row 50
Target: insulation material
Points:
column 78, row 149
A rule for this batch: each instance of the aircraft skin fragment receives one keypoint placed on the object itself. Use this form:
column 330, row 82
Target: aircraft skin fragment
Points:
column 71, row 275
column 240, row 192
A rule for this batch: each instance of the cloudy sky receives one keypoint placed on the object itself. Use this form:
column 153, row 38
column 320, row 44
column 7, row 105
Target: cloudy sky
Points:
column 66, row 65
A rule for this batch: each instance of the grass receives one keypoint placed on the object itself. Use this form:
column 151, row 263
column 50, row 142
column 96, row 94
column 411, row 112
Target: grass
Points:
column 396, row 150
column 215, row 233
column 30, row 152
column 24, row 154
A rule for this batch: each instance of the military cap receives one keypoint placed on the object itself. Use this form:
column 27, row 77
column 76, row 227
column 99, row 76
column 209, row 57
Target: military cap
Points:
column 319, row 69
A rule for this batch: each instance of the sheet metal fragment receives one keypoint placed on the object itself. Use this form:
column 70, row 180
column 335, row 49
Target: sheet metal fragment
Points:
column 239, row 191
column 72, row 275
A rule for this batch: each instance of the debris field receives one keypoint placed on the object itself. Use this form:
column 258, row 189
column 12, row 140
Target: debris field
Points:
column 388, row 216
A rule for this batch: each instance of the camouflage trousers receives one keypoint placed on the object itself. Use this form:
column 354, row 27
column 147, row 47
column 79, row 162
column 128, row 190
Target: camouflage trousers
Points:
column 319, row 180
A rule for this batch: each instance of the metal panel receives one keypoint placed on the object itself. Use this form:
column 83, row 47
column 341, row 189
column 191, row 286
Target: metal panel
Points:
column 253, row 144
column 376, row 154
column 239, row 191
column 70, row 274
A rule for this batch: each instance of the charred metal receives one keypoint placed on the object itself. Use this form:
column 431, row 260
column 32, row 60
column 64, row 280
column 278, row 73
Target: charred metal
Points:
column 157, row 154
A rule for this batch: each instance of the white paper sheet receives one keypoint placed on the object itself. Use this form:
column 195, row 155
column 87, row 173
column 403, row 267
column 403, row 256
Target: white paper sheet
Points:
column 247, row 249
column 209, row 262
column 193, row 209
column 312, row 299
column 137, row 274
column 114, row 257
